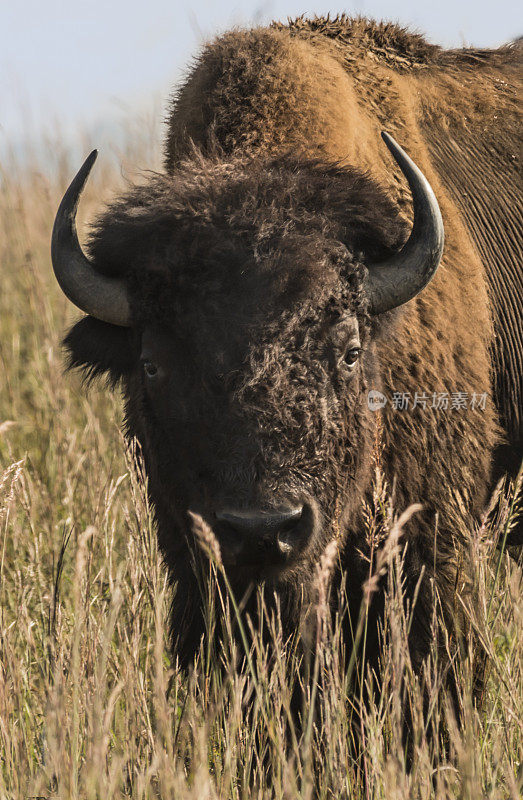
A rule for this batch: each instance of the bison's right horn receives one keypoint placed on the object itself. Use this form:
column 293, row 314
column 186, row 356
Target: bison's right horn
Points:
column 397, row 280
column 101, row 297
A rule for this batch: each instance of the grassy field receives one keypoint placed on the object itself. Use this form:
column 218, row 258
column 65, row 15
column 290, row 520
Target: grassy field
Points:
column 91, row 704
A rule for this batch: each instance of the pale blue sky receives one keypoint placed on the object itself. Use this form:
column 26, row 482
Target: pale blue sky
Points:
column 81, row 62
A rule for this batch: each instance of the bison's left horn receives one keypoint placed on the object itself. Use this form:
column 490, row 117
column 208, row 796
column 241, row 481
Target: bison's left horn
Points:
column 96, row 294
column 397, row 280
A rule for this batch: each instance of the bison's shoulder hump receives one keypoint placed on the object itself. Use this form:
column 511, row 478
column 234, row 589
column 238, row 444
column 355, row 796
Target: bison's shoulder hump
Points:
column 394, row 44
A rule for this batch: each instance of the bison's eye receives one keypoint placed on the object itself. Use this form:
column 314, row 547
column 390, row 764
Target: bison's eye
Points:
column 150, row 369
column 351, row 356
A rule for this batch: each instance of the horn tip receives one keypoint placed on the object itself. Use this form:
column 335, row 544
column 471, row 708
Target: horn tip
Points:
column 83, row 173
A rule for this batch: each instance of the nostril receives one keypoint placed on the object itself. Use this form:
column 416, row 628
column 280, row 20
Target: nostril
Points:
column 292, row 533
column 291, row 523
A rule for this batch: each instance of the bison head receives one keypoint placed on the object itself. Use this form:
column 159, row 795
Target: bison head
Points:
column 239, row 302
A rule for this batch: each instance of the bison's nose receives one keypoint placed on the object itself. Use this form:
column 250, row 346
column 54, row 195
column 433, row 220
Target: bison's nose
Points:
column 253, row 536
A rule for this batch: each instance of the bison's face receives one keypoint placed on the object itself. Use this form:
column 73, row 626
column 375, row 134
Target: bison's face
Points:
column 252, row 412
column 245, row 347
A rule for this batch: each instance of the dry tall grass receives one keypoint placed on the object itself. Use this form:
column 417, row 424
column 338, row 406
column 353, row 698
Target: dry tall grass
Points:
column 91, row 706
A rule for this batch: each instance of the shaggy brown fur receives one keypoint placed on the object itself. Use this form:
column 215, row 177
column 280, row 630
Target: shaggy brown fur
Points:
column 458, row 111
column 244, row 264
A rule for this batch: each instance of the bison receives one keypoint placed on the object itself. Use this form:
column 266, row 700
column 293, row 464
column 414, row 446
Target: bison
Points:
column 275, row 303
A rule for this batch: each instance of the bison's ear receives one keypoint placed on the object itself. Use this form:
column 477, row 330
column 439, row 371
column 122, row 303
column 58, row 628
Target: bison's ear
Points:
column 98, row 348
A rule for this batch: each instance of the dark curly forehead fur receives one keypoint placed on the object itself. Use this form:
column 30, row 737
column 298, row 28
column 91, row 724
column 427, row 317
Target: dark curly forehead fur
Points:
column 235, row 232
